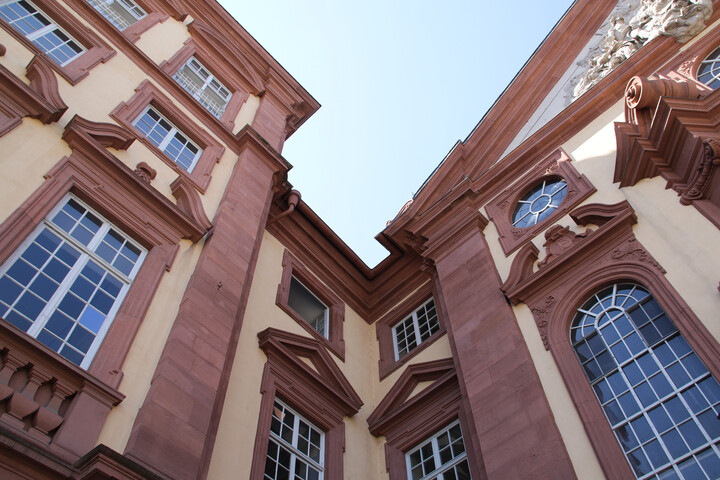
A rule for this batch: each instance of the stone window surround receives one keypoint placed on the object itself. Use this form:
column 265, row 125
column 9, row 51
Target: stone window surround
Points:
column 211, row 61
column 321, row 394
column 147, row 94
column 135, row 207
column 500, row 210
column 384, row 330
column 336, row 308
column 600, row 258
column 97, row 50
column 407, row 421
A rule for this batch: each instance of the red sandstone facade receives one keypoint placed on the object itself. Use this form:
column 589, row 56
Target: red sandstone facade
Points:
column 189, row 313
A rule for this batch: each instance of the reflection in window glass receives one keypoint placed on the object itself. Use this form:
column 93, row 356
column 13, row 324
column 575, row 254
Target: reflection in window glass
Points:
column 121, row 13
column 539, row 203
column 296, row 448
column 37, row 27
column 64, row 285
column 166, row 136
column 203, row 86
column 441, row 457
column 660, row 400
column 415, row 329
column 709, row 71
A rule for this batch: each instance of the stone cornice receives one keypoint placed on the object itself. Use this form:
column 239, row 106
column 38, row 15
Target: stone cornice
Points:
column 90, row 140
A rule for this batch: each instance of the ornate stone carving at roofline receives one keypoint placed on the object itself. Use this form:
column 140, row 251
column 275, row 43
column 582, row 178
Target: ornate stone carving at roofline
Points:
column 681, row 19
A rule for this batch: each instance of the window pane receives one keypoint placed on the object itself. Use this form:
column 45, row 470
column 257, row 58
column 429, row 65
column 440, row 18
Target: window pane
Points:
column 121, row 13
column 293, row 441
column 61, row 289
column 673, row 418
column 443, row 453
column 37, row 27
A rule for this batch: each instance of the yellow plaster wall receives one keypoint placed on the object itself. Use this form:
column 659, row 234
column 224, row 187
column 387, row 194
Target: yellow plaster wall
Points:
column 238, row 426
column 680, row 238
column 247, row 112
column 32, row 149
column 147, row 347
column 162, row 41
column 29, row 152
column 16, row 57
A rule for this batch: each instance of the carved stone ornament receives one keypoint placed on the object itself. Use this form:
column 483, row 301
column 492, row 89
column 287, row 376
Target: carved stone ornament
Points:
column 711, row 159
column 558, row 241
column 633, row 248
column 681, row 19
column 541, row 314
column 145, row 172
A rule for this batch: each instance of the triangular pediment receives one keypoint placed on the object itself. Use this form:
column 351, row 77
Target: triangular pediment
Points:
column 307, row 360
column 418, row 383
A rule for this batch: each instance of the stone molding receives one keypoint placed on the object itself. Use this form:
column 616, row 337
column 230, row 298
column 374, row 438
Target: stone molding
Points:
column 336, row 308
column 233, row 43
column 501, row 208
column 97, row 177
column 405, row 419
column 41, row 99
column 320, row 393
column 147, row 94
column 97, row 51
column 48, row 401
column 674, row 137
column 383, row 329
column 607, row 255
column 220, row 67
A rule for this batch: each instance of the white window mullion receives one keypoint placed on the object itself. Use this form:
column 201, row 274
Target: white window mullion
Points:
column 59, row 294
column 96, row 299
column 416, row 329
column 42, row 32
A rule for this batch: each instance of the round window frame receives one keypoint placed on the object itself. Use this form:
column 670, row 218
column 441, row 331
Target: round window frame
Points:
column 526, row 192
column 711, row 61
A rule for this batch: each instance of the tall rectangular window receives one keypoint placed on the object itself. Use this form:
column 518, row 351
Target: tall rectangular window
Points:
column 441, row 457
column 415, row 329
column 121, row 13
column 204, row 86
column 296, row 448
column 37, row 27
column 65, row 283
column 168, row 138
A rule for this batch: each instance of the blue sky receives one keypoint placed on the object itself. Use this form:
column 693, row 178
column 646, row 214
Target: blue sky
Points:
column 400, row 82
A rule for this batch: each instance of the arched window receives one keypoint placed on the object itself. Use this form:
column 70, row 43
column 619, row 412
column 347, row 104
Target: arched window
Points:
column 659, row 398
column 709, row 71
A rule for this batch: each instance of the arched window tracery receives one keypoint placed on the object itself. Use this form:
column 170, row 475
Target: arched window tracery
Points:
column 661, row 401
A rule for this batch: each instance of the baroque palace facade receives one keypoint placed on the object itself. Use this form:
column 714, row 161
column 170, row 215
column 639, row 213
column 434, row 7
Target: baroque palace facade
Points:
column 172, row 309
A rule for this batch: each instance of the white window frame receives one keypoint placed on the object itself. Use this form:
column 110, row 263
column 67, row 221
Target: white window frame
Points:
column 168, row 138
column 198, row 90
column 131, row 7
column 416, row 328
column 294, row 452
column 440, row 468
column 86, row 253
column 51, row 27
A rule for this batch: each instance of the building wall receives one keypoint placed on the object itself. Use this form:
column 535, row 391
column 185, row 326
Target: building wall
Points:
column 184, row 391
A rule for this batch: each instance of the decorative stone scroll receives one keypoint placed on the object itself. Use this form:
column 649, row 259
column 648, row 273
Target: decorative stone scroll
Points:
column 711, row 159
column 681, row 19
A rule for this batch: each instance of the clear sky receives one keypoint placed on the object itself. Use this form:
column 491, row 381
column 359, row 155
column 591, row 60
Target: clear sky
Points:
column 400, row 82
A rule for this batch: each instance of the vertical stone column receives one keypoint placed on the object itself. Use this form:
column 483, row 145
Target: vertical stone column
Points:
column 514, row 426
column 175, row 428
